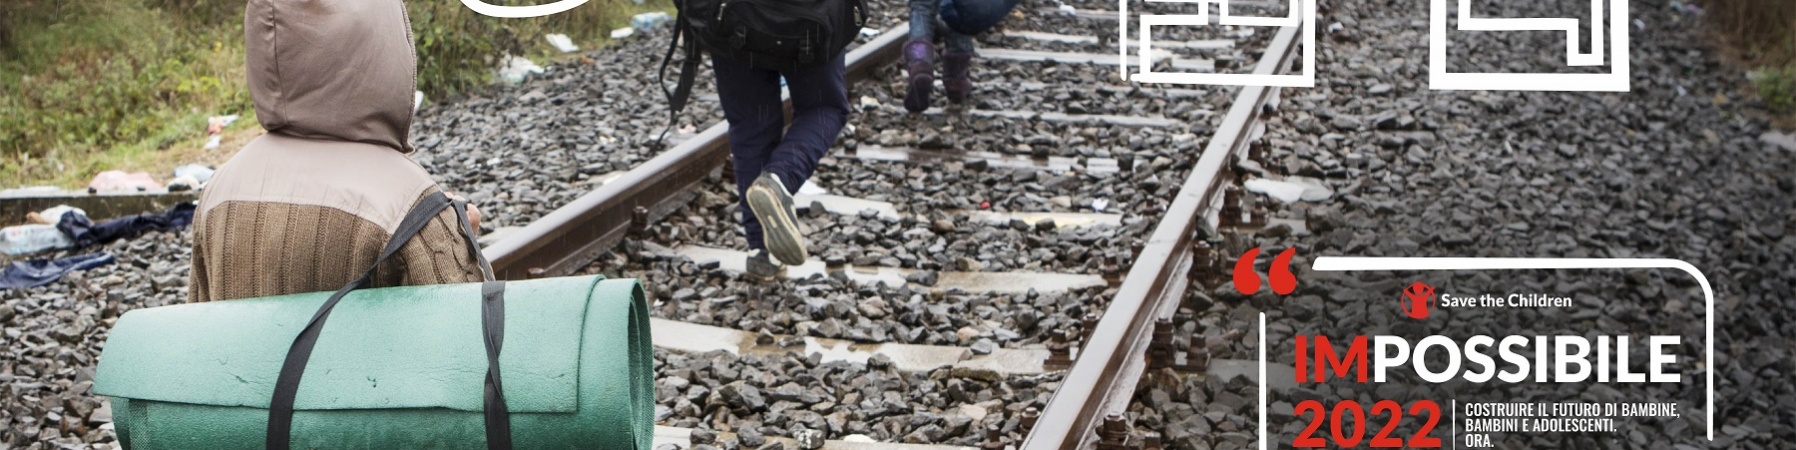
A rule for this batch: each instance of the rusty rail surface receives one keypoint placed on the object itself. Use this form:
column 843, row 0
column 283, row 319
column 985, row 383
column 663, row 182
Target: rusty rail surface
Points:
column 573, row 235
column 1111, row 361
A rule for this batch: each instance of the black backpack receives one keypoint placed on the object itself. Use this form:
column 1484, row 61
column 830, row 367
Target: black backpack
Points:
column 782, row 35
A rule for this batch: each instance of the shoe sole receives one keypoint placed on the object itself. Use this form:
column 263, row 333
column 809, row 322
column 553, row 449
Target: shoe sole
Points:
column 779, row 225
column 916, row 97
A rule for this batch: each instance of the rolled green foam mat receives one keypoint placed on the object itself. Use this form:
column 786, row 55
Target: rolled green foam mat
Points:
column 399, row 367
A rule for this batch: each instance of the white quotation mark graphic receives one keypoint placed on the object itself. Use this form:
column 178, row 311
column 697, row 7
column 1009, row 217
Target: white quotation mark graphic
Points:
column 1614, row 81
column 1302, row 14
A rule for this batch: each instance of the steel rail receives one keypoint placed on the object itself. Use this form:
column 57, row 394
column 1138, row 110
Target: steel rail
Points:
column 572, row 236
column 1111, row 360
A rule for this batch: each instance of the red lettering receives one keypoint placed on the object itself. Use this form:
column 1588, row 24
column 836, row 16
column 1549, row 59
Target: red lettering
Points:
column 1328, row 361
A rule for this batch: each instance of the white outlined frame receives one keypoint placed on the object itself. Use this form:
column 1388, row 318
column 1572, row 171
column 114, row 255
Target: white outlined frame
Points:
column 1387, row 264
column 1614, row 81
column 1302, row 14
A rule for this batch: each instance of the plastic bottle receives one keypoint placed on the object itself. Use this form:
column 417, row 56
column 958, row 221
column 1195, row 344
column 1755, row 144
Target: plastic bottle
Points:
column 648, row 20
column 27, row 239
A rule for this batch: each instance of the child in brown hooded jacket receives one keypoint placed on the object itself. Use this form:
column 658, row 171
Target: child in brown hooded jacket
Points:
column 308, row 206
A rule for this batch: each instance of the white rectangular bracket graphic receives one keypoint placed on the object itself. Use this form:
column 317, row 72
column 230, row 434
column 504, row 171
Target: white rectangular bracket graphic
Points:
column 1614, row 81
column 1302, row 14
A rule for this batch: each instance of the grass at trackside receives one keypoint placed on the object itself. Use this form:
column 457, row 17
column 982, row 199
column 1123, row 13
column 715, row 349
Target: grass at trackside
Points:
column 128, row 84
column 1762, row 35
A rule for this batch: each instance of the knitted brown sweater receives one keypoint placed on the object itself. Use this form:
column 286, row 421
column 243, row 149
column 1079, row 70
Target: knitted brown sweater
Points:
column 308, row 206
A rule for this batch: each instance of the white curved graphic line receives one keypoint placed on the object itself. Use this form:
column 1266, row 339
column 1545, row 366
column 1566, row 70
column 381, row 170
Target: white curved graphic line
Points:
column 518, row 12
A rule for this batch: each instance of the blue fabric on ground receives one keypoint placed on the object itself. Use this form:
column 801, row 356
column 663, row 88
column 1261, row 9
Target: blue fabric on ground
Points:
column 85, row 232
column 39, row 272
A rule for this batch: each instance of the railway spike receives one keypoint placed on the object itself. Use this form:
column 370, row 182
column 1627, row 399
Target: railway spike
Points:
column 639, row 221
column 1159, row 349
column 1111, row 272
column 994, row 438
column 1059, row 352
column 1088, row 325
column 1203, row 264
column 1113, row 434
column 1030, row 415
column 1150, row 441
column 1231, row 208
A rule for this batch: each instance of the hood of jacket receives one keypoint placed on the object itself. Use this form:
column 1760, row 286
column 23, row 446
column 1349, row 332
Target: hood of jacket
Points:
column 332, row 69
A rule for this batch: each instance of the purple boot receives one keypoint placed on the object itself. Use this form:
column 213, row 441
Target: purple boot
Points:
column 919, row 65
column 957, row 68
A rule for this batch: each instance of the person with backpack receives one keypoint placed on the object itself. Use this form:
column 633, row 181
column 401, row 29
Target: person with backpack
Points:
column 770, row 165
column 754, row 44
column 308, row 206
column 960, row 21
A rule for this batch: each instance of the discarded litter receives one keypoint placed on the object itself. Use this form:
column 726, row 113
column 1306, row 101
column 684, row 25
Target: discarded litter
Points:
column 84, row 232
column 648, row 20
column 200, row 173
column 215, row 126
column 869, row 32
column 118, row 180
column 562, row 42
column 27, row 239
column 52, row 215
column 417, row 101
column 1068, row 9
column 518, row 67
column 39, row 272
column 1289, row 191
column 40, row 234
column 1099, row 204
column 183, row 184
column 621, row 33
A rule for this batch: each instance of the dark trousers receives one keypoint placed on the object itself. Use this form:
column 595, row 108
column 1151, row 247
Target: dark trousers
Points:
column 751, row 102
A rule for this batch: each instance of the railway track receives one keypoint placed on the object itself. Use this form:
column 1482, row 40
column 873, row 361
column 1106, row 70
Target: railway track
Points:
column 1139, row 279
column 888, row 345
column 959, row 252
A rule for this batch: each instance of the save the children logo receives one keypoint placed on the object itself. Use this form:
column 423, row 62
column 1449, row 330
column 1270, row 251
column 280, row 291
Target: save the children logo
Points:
column 1417, row 297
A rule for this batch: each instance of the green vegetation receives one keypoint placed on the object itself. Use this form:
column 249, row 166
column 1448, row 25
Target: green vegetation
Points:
column 127, row 84
column 1762, row 34
column 1778, row 87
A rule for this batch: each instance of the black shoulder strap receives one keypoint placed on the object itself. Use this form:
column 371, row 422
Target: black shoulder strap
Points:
column 682, row 91
column 286, row 387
